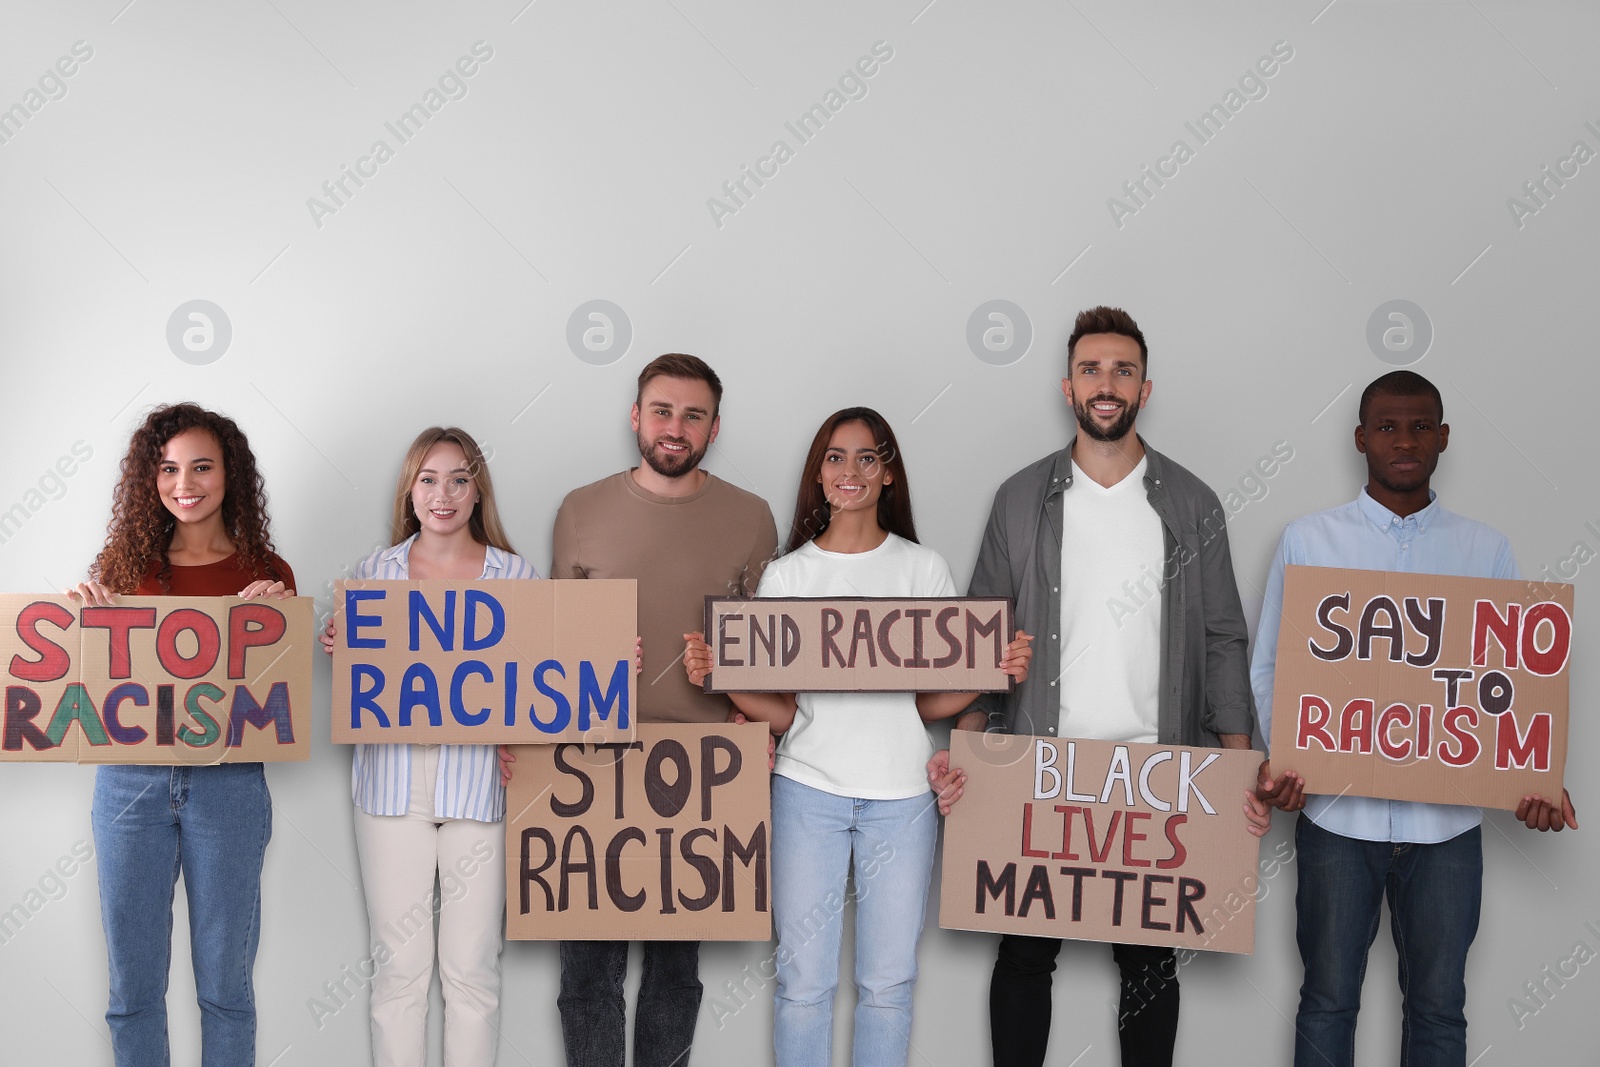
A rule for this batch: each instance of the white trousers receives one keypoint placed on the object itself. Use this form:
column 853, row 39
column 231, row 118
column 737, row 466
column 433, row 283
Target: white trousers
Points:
column 400, row 857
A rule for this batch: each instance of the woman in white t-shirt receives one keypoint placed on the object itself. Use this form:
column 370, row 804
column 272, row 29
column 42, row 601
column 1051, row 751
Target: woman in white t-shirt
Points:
column 850, row 788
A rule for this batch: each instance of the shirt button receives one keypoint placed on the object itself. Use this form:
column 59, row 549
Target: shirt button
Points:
column 1050, row 729
column 1052, row 685
column 1055, row 589
column 1053, row 637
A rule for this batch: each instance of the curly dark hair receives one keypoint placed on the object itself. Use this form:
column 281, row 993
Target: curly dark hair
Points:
column 141, row 526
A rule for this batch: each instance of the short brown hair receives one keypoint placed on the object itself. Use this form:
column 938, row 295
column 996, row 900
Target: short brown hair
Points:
column 688, row 368
column 1104, row 319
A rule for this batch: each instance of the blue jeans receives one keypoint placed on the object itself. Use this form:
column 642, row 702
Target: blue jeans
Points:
column 1433, row 893
column 212, row 824
column 817, row 838
column 593, row 1016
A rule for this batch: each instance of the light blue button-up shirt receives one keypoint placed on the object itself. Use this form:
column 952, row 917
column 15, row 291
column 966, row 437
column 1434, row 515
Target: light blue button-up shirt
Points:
column 1368, row 536
column 468, row 785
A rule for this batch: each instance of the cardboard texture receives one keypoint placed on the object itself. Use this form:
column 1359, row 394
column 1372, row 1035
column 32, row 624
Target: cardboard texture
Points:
column 1101, row 841
column 858, row 644
column 1421, row 686
column 156, row 680
column 484, row 662
column 666, row 838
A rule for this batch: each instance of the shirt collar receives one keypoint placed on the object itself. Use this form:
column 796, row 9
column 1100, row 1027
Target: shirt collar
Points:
column 400, row 553
column 493, row 559
column 1383, row 518
column 1061, row 471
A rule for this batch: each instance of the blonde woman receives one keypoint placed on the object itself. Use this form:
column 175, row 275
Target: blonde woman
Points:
column 435, row 811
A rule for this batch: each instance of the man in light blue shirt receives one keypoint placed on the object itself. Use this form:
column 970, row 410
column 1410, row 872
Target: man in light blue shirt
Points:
column 1354, row 851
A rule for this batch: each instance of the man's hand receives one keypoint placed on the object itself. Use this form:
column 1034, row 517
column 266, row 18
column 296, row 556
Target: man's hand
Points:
column 1286, row 793
column 506, row 760
column 948, row 782
column 1540, row 814
column 738, row 719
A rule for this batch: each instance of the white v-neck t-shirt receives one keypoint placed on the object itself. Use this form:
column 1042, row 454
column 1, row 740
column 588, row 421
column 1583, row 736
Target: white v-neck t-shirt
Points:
column 1112, row 549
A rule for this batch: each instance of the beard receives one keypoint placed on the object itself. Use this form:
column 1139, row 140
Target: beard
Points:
column 1116, row 431
column 668, row 465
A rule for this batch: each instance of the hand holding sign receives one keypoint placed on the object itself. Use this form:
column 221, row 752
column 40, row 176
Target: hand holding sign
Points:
column 1286, row 793
column 92, row 593
column 267, row 589
column 948, row 782
column 1538, row 813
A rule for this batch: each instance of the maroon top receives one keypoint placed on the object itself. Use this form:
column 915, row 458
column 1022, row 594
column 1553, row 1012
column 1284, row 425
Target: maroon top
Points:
column 223, row 578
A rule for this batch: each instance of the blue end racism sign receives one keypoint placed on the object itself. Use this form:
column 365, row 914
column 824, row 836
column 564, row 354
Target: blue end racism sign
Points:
column 488, row 662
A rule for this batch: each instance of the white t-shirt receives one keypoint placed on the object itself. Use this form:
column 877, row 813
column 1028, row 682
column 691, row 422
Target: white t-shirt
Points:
column 1112, row 549
column 871, row 746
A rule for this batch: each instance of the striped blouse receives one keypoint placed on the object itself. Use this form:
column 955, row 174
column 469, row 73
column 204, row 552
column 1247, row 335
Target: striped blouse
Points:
column 469, row 775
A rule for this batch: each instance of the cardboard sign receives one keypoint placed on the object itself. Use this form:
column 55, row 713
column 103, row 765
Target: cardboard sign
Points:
column 484, row 662
column 858, row 644
column 665, row 838
column 1100, row 841
column 1422, row 686
column 156, row 680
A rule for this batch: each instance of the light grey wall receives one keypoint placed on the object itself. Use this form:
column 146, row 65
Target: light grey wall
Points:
column 1377, row 164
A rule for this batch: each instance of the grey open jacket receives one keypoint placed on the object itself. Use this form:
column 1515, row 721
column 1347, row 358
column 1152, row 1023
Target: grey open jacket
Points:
column 1205, row 672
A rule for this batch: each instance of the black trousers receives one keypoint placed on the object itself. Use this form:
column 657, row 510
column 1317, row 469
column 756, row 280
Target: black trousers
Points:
column 1019, row 1002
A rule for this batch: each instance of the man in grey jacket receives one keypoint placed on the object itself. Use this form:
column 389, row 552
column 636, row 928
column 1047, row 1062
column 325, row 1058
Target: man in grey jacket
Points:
column 1148, row 645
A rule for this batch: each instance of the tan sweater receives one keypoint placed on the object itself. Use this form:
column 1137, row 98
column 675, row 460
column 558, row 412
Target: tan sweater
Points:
column 681, row 550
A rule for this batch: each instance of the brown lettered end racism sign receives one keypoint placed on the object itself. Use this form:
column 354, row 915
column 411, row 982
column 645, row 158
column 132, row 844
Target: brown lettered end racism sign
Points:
column 667, row 837
column 1422, row 687
column 858, row 644
column 156, row 680
column 1101, row 841
column 484, row 662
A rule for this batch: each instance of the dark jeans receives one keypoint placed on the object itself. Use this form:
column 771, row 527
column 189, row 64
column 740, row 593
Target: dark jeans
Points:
column 1434, row 892
column 1019, row 1002
column 593, row 1016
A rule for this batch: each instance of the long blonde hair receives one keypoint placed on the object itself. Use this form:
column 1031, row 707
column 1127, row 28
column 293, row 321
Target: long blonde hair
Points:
column 485, row 521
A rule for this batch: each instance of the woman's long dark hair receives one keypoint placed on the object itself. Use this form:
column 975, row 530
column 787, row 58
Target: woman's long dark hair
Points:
column 142, row 527
column 811, row 511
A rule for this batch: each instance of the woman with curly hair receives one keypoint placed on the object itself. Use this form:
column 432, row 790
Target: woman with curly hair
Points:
column 426, row 812
column 188, row 518
column 850, row 796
